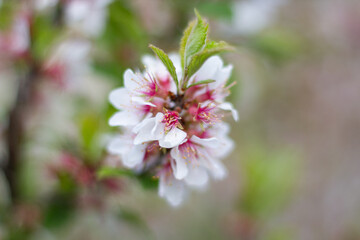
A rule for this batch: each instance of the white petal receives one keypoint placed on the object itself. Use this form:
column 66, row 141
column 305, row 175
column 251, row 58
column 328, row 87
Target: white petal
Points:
column 150, row 63
column 131, row 81
column 217, row 168
column 229, row 107
column 173, row 138
column 206, row 142
column 140, row 125
column 172, row 190
column 226, row 146
column 197, row 177
column 158, row 131
column 155, row 67
column 178, row 164
column 221, row 76
column 124, row 118
column 143, row 131
column 208, row 70
column 118, row 146
column 119, row 98
column 135, row 156
column 142, row 101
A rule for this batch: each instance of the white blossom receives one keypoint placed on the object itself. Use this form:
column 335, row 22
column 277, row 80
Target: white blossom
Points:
column 183, row 135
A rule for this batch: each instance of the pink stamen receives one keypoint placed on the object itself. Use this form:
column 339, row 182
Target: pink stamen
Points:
column 171, row 120
column 188, row 150
column 149, row 89
column 204, row 114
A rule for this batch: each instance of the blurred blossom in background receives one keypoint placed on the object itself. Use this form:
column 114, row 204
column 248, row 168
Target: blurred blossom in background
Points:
column 293, row 173
column 253, row 16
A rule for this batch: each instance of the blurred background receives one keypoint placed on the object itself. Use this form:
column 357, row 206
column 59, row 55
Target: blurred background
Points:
column 294, row 173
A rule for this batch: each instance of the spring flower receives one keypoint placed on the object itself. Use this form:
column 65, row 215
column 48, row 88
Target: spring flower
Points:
column 174, row 129
column 143, row 93
column 193, row 135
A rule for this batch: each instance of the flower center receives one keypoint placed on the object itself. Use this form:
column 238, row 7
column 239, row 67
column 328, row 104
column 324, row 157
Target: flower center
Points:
column 205, row 114
column 188, row 151
column 171, row 120
column 148, row 88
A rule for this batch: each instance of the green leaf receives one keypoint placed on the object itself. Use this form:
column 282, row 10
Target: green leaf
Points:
column 196, row 40
column 210, row 49
column 167, row 62
column 200, row 82
column 184, row 41
column 106, row 172
column 148, row 181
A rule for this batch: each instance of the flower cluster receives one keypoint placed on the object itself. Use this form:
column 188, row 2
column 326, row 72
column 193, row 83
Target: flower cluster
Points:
column 172, row 128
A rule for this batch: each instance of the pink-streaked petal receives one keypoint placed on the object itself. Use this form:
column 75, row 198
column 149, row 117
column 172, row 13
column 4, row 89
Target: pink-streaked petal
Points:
column 178, row 164
column 124, row 118
column 229, row 107
column 173, row 138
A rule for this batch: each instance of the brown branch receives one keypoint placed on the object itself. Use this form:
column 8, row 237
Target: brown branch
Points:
column 15, row 131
